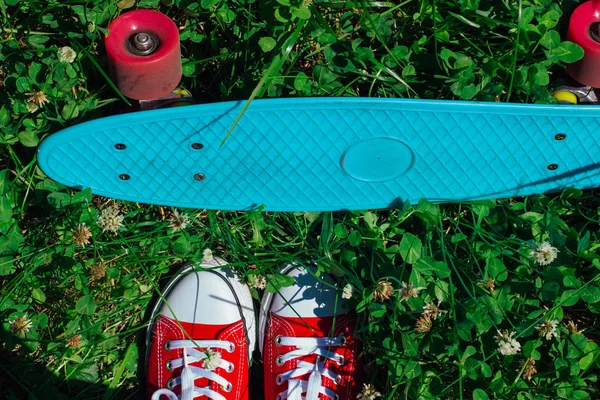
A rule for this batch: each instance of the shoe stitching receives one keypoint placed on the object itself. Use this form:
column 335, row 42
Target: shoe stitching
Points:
column 279, row 323
column 166, row 324
column 160, row 336
column 341, row 327
column 232, row 332
column 345, row 322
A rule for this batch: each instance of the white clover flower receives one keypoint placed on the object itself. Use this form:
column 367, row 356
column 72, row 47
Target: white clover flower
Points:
column 528, row 368
column 20, row 325
column 544, row 253
column 66, row 54
column 547, row 329
column 37, row 98
column 424, row 324
column 383, row 290
column 258, row 282
column 432, row 310
column 368, row 393
column 572, row 327
column 409, row 290
column 506, row 344
column 110, row 220
column 347, row 292
column 207, row 255
column 179, row 221
column 81, row 235
column 212, row 360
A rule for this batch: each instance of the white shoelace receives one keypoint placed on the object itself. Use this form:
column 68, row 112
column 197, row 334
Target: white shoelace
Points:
column 313, row 386
column 190, row 373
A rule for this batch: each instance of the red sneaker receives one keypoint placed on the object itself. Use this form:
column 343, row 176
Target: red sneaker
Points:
column 306, row 341
column 202, row 336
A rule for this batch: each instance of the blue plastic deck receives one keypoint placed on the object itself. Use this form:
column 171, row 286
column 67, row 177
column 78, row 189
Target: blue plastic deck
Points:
column 327, row 154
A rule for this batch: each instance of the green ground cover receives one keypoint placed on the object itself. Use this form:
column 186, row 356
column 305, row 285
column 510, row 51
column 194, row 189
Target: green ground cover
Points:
column 456, row 301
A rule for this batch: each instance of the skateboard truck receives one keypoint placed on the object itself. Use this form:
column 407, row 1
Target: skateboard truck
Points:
column 176, row 98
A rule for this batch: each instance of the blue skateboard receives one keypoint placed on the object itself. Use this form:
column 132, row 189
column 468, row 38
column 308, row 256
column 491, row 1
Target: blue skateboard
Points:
column 329, row 154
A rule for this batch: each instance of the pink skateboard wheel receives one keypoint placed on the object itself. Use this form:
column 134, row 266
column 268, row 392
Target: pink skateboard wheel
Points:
column 584, row 29
column 144, row 54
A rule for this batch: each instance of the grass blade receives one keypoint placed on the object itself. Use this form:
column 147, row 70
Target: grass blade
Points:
column 275, row 66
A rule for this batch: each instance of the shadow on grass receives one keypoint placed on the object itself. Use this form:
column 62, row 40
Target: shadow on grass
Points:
column 22, row 378
column 71, row 377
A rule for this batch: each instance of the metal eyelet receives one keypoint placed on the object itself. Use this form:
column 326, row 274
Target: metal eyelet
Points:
column 230, row 368
column 278, row 340
column 278, row 397
column 279, row 361
column 170, row 384
column 338, row 379
column 336, row 397
column 228, row 388
column 231, row 348
column 279, row 379
column 343, row 339
column 168, row 366
column 342, row 360
column 167, row 345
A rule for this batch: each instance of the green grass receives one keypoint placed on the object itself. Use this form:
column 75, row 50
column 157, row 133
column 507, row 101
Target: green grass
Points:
column 89, row 305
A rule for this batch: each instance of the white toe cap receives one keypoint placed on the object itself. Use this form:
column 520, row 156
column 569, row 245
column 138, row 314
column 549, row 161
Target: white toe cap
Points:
column 203, row 297
column 308, row 296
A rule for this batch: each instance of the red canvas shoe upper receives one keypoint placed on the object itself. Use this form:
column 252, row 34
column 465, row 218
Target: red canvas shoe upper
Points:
column 200, row 341
column 307, row 342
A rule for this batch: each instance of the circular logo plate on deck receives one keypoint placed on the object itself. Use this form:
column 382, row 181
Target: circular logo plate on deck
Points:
column 377, row 159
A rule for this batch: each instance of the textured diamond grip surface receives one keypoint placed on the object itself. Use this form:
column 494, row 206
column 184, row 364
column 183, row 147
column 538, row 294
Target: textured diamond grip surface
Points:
column 286, row 154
